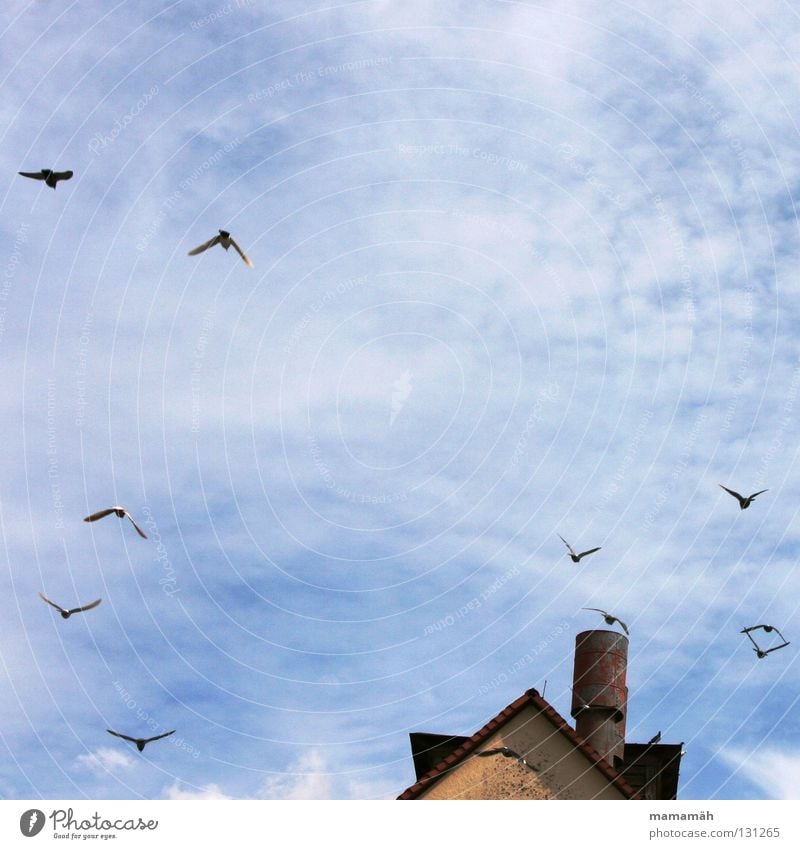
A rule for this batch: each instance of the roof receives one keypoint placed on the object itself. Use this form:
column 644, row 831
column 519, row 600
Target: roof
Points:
column 530, row 699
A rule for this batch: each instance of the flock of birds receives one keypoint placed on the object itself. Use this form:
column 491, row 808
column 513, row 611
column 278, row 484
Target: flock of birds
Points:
column 744, row 503
column 225, row 240
column 52, row 178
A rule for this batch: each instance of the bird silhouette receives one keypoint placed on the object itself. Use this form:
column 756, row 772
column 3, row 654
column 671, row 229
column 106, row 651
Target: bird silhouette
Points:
column 576, row 558
column 50, row 177
column 761, row 653
column 506, row 753
column 610, row 620
column 226, row 240
column 654, row 740
column 141, row 742
column 121, row 512
column 67, row 613
column 744, row 503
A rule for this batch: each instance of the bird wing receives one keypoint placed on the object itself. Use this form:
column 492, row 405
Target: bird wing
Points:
column 62, row 175
column 596, row 609
column 159, row 736
column 52, row 603
column 101, row 514
column 86, row 606
column 34, row 175
column 139, row 531
column 242, row 253
column 758, row 493
column 623, row 626
column 569, row 547
column 590, row 551
column 124, row 736
column 731, row 492
column 205, row 246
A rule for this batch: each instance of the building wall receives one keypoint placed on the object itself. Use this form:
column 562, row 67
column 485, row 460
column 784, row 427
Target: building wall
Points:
column 563, row 772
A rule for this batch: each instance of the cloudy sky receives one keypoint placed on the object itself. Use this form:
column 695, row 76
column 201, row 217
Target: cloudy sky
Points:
column 521, row 269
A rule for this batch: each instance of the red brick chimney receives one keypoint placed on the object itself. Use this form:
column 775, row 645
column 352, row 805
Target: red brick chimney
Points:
column 599, row 693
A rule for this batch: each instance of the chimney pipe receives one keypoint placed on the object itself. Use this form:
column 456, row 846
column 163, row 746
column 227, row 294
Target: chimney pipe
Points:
column 599, row 693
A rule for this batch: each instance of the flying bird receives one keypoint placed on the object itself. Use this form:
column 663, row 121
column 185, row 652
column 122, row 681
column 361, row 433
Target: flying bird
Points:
column 506, row 753
column 744, row 503
column 761, row 653
column 610, row 620
column 226, row 240
column 50, row 177
column 574, row 554
column 67, row 613
column 141, row 742
column 121, row 512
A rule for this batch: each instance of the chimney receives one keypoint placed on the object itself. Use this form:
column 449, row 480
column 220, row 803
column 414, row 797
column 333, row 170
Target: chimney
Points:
column 599, row 694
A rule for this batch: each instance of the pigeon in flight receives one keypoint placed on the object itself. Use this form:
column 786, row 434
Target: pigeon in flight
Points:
column 141, row 742
column 506, row 753
column 576, row 558
column 67, row 613
column 121, row 512
column 744, row 503
column 50, row 177
column 226, row 240
column 610, row 620
column 761, row 653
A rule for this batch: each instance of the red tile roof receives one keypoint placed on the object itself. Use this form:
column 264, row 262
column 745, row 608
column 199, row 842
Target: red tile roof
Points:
column 530, row 698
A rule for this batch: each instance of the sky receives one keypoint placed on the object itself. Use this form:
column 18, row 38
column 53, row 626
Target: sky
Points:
column 522, row 270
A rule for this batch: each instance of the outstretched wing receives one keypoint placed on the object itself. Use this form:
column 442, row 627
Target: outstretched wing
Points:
column 123, row 736
column 101, row 514
column 734, row 494
column 52, row 603
column 205, row 246
column 758, row 493
column 597, row 610
column 623, row 626
column 590, row 551
column 34, row 175
column 139, row 531
column 62, row 175
column 569, row 547
column 150, row 739
column 86, row 606
column 242, row 253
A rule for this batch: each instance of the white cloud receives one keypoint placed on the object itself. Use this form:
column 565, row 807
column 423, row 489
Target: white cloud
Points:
column 776, row 771
column 105, row 760
column 208, row 792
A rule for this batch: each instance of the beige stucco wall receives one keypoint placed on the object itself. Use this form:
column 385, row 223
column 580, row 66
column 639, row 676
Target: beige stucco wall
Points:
column 563, row 772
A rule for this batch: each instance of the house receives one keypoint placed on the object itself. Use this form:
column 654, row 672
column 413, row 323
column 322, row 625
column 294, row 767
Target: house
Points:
column 529, row 751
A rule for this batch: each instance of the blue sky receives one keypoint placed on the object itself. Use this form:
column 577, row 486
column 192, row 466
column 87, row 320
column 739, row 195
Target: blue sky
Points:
column 521, row 270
